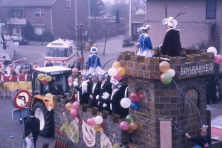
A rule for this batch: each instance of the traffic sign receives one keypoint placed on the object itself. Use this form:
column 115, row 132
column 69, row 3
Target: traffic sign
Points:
column 20, row 98
column 18, row 113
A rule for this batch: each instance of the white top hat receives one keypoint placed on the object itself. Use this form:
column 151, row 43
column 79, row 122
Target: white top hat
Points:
column 94, row 50
column 170, row 21
column 145, row 27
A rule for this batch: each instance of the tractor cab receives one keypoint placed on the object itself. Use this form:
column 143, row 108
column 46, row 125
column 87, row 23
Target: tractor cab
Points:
column 53, row 82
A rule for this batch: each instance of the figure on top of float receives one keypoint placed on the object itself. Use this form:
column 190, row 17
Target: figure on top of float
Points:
column 94, row 63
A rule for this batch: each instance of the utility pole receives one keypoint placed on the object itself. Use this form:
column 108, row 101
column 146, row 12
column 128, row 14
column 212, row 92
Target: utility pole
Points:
column 76, row 19
column 80, row 41
column 130, row 3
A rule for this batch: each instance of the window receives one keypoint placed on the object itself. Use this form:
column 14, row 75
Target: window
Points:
column 211, row 6
column 68, row 4
column 38, row 13
column 17, row 13
column 16, row 31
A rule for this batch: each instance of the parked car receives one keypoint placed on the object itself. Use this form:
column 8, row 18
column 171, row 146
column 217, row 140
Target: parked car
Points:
column 21, row 40
column 216, row 128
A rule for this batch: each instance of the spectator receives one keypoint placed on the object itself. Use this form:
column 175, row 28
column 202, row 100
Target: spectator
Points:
column 48, row 64
column 45, row 145
column 78, row 62
column 33, row 124
column 95, row 85
column 35, row 65
column 28, row 142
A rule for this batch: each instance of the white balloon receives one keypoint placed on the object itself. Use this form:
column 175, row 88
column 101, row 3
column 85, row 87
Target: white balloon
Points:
column 212, row 49
column 171, row 72
column 98, row 119
column 112, row 72
column 125, row 102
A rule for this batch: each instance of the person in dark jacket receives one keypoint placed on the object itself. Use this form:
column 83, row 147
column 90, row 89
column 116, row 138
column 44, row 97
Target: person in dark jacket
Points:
column 95, row 86
column 104, row 93
column 171, row 44
column 115, row 98
column 204, row 140
column 33, row 124
column 48, row 64
column 84, row 89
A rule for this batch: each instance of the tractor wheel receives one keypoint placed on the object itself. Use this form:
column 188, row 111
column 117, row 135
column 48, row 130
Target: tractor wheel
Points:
column 46, row 119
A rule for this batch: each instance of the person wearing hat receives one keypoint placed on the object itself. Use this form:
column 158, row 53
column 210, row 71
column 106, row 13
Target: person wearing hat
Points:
column 84, row 89
column 104, row 92
column 146, row 47
column 95, row 86
column 94, row 63
column 171, row 44
column 35, row 65
column 203, row 140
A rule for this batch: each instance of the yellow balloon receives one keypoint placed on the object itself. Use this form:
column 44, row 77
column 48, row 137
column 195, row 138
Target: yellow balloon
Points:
column 116, row 65
column 41, row 76
column 121, row 71
column 49, row 96
column 68, row 106
column 48, row 78
column 134, row 125
column 97, row 127
column 164, row 66
column 130, row 131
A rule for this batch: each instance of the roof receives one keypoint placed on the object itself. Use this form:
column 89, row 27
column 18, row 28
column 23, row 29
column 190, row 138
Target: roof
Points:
column 54, row 70
column 27, row 3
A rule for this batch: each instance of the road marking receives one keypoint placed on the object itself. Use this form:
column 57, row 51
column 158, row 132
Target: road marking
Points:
column 43, row 55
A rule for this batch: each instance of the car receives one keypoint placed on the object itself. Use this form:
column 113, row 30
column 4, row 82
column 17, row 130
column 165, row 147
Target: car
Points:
column 21, row 40
column 216, row 128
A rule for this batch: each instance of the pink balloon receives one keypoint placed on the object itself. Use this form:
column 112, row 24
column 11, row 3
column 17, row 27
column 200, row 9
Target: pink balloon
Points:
column 134, row 97
column 75, row 105
column 118, row 77
column 90, row 122
column 44, row 81
column 218, row 59
column 124, row 125
column 70, row 79
column 73, row 113
column 74, row 70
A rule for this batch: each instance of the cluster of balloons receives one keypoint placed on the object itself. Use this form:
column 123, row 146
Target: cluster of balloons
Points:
column 117, row 72
column 44, row 79
column 74, row 70
column 129, row 125
column 96, row 122
column 49, row 98
column 73, row 108
column 70, row 81
column 168, row 73
column 131, row 102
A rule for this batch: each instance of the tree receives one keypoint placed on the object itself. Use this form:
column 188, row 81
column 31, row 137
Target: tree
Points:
column 96, row 8
column 29, row 32
column 117, row 16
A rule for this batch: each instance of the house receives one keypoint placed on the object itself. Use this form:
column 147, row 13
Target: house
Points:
column 200, row 26
column 58, row 17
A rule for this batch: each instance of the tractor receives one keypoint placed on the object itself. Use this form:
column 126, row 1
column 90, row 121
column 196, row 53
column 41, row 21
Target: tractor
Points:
column 58, row 86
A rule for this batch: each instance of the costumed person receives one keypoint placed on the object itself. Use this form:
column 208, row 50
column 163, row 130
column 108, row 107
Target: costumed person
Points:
column 104, row 92
column 13, row 82
column 84, row 89
column 21, row 81
column 35, row 65
column 115, row 98
column 10, row 69
column 204, row 140
column 6, row 79
column 58, row 87
column 94, row 63
column 28, row 78
column 95, row 86
column 146, row 47
column 171, row 44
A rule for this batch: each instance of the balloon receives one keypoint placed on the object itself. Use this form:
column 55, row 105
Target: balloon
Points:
column 70, row 79
column 134, row 106
column 218, row 59
column 112, row 72
column 116, row 65
column 48, row 78
column 166, row 78
column 90, row 122
column 98, row 119
column 49, row 96
column 97, row 127
column 130, row 131
column 121, row 71
column 68, row 106
column 43, row 81
column 164, row 66
column 41, row 76
column 118, row 77
column 125, row 102
column 212, row 49
column 171, row 72
column 124, row 125
column 130, row 118
column 134, row 97
column 73, row 113
column 75, row 105
column 74, row 70
column 134, row 125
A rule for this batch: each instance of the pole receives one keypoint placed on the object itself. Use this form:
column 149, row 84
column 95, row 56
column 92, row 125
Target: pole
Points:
column 130, row 2
column 23, row 124
column 89, row 13
column 76, row 19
